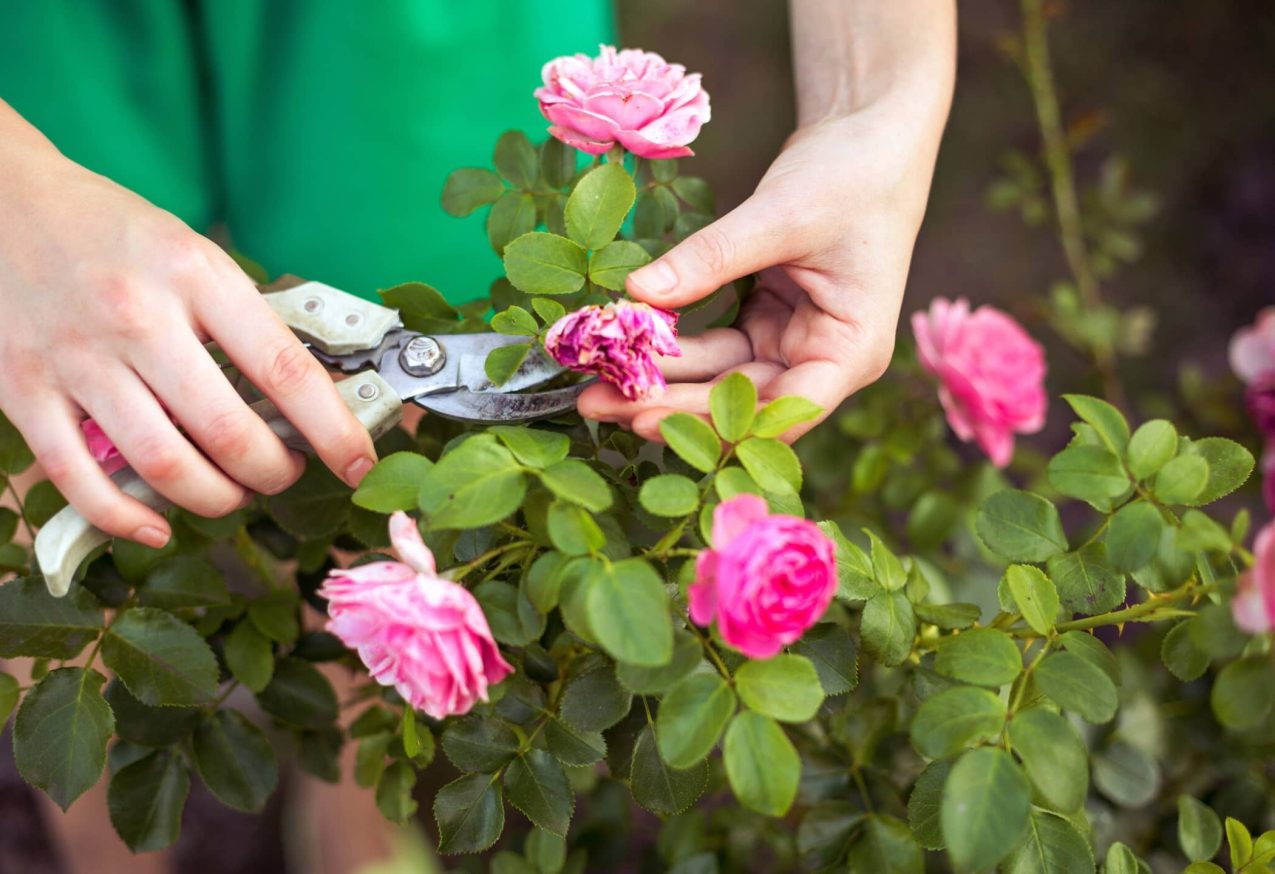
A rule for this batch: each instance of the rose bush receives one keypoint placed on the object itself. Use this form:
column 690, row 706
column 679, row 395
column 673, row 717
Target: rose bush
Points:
column 878, row 652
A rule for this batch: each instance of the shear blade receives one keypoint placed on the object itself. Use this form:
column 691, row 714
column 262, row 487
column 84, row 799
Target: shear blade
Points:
column 494, row 407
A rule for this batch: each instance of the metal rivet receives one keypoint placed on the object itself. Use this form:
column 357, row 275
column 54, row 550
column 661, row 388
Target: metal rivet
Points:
column 312, row 305
column 367, row 391
column 422, row 356
column 353, row 319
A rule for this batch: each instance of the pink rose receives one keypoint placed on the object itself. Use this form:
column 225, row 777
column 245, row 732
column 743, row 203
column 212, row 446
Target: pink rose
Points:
column 617, row 342
column 1254, row 603
column 632, row 97
column 424, row 635
column 1253, row 348
column 992, row 373
column 766, row 578
column 101, row 447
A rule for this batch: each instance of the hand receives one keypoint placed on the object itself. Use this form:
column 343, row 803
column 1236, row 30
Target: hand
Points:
column 830, row 229
column 106, row 301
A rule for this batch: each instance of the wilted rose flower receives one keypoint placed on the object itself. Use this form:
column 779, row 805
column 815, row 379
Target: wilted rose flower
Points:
column 636, row 98
column 992, row 373
column 617, row 342
column 424, row 635
column 101, row 447
column 766, row 578
column 1254, row 603
column 1253, row 348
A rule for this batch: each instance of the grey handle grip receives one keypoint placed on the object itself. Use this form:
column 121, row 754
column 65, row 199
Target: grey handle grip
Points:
column 68, row 538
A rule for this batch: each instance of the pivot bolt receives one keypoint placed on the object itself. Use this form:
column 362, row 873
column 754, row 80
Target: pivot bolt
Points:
column 422, row 356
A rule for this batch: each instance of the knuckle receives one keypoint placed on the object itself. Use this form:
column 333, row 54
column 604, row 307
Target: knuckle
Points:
column 713, row 249
column 186, row 256
column 123, row 307
column 57, row 466
column 158, row 461
column 227, row 435
column 289, row 368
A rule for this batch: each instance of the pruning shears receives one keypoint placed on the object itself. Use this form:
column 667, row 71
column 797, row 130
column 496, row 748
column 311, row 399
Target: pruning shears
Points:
column 390, row 365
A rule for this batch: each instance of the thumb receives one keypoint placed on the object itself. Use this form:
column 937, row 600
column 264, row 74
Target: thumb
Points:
column 745, row 240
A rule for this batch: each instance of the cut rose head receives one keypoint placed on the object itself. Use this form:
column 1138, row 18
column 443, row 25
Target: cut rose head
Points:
column 1254, row 603
column 631, row 97
column 991, row 373
column 424, row 635
column 766, row 579
column 617, row 342
column 1252, row 349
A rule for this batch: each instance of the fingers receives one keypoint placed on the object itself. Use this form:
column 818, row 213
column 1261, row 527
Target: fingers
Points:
column 747, row 239
column 131, row 417
column 197, row 394
column 276, row 363
column 53, row 432
column 706, row 355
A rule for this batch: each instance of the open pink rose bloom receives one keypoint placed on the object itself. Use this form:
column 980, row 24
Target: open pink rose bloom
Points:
column 1254, row 603
column 424, row 635
column 991, row 373
column 617, row 343
column 631, row 97
column 766, row 578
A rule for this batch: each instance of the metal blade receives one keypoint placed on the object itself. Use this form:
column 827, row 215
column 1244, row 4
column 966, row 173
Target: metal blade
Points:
column 494, row 407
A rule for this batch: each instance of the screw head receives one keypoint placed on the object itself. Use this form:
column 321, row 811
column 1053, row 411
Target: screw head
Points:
column 312, row 305
column 353, row 319
column 367, row 391
column 422, row 356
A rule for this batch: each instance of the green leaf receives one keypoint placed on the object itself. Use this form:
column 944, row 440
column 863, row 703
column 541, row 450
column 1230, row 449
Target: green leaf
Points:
column 1053, row 846
column 299, row 695
column 536, row 784
column 598, row 204
column 692, row 717
column 314, row 506
column 886, row 845
column 657, row 786
column 771, row 463
column 235, row 761
column 515, row 321
column 1181, row 655
column 1035, row 594
column 1182, row 480
column 594, row 701
column 1151, row 447
column 531, row 446
column 35, row 624
column 1199, row 829
column 1229, row 463
column 514, row 620
column 573, row 480
column 1054, row 756
column 1243, row 692
column 60, row 733
column 557, row 162
column 149, row 726
column 512, row 217
column 986, row 802
column 15, row 457
column 1092, row 650
column 784, row 413
column 1078, row 685
column 1240, row 842
column 540, row 263
column 572, row 529
column 184, row 581
column 611, row 265
column 785, row 687
column 925, row 804
column 1122, row 860
column 761, row 764
column 393, row 483
column 694, row 191
column 503, row 362
column 516, row 159
column 733, row 404
column 955, row 718
column 982, row 656
column 834, row 652
column 1126, row 774
column 162, row 660
column 628, row 612
column 825, row 833
column 693, row 441
column 1134, row 536
column 1085, row 582
column 480, row 743
column 572, row 746
column 42, row 502
column 1107, row 421
column 687, row 653
column 470, row 814
column 146, row 799
column 887, row 627
column 469, row 188
column 249, row 655
column 8, row 697
column 478, row 483
column 394, row 792
column 1090, row 473
column 1021, row 526
column 422, row 307
column 886, row 567
column 949, row 616
column 670, row 495
column 274, row 614
column 855, row 576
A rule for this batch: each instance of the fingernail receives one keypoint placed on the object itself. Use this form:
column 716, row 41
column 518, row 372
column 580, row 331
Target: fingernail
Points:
column 355, row 472
column 149, row 535
column 655, row 279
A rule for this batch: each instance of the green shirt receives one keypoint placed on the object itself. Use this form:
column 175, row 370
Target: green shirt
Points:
column 319, row 132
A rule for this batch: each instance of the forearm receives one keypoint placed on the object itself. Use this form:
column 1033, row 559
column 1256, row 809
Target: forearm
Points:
column 850, row 54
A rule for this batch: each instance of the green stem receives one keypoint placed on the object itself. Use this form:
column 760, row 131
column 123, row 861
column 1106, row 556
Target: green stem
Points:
column 22, row 510
column 1146, row 611
column 458, row 573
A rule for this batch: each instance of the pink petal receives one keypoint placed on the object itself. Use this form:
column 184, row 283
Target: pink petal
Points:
column 732, row 516
column 405, row 534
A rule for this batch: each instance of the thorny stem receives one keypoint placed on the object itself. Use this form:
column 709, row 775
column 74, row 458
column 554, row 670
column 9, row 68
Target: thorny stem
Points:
column 1136, row 613
column 22, row 510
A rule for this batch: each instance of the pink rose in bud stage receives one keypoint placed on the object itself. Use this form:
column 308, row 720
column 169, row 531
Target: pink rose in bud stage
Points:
column 1253, row 348
column 992, row 373
column 424, row 635
column 1253, row 606
column 617, row 342
column 766, row 578
column 631, row 97
column 101, row 447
